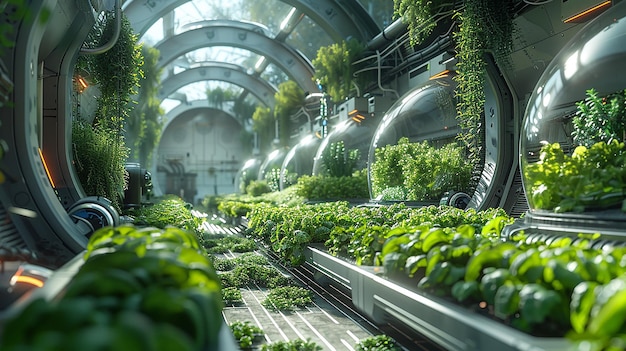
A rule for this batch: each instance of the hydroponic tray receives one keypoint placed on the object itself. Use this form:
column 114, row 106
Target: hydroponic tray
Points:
column 445, row 323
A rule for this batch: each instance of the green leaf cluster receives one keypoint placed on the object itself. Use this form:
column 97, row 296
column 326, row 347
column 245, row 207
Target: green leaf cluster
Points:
column 147, row 289
column 288, row 298
column 334, row 70
column 167, row 211
column 591, row 178
column 292, row 345
column 100, row 159
column 418, row 171
column 377, row 343
column 337, row 161
column 600, row 119
column 327, row 187
column 245, row 333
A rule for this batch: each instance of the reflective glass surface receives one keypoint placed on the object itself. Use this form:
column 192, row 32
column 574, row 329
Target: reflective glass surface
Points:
column 425, row 115
column 572, row 153
column 354, row 136
column 299, row 161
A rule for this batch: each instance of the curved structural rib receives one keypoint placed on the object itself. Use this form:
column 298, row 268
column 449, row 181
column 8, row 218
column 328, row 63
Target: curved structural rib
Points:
column 222, row 72
column 340, row 19
column 244, row 36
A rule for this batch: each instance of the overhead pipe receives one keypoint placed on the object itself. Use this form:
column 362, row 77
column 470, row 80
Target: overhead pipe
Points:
column 116, row 34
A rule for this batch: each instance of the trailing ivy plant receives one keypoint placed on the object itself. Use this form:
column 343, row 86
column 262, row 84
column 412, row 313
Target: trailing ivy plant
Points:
column 484, row 27
column 144, row 124
column 100, row 160
column 117, row 72
column 420, row 16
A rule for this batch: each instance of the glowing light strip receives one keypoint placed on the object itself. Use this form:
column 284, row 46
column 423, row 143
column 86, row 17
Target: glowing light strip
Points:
column 441, row 74
column 45, row 166
column 586, row 12
column 26, row 280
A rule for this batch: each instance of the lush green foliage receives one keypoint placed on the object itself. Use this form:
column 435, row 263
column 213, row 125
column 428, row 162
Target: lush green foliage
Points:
column 548, row 288
column 257, row 188
column 272, row 177
column 289, row 229
column 251, row 269
column 100, row 157
column 419, row 171
column 167, row 211
column 600, row 119
column 420, row 16
column 364, row 230
column 288, row 298
column 333, row 68
column 137, row 289
column 143, row 126
column 591, row 178
column 326, row 187
column 289, row 98
column 377, row 343
column 116, row 71
column 484, row 27
column 292, row 345
column 221, row 243
column 337, row 161
column 353, row 232
column 245, row 333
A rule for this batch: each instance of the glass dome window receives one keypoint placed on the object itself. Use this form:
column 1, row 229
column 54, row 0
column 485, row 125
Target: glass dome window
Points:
column 246, row 174
column 413, row 154
column 353, row 138
column 299, row 161
column 572, row 143
column 270, row 168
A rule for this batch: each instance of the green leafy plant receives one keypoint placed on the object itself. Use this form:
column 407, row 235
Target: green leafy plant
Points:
column 167, row 211
column 377, row 343
column 245, row 333
column 257, row 188
column 337, row 161
column 600, row 119
column 288, row 99
column 327, row 187
column 292, row 345
column 591, row 178
column 418, row 171
column 333, row 68
column 100, row 159
column 288, row 298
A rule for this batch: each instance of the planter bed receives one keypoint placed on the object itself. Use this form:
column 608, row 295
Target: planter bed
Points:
column 448, row 324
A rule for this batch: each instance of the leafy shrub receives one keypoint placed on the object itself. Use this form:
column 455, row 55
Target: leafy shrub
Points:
column 339, row 162
column 600, row 119
column 257, row 188
column 327, row 187
column 425, row 172
column 244, row 333
column 377, row 343
column 292, row 345
column 288, row 298
column 168, row 211
column 100, row 160
column 231, row 295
